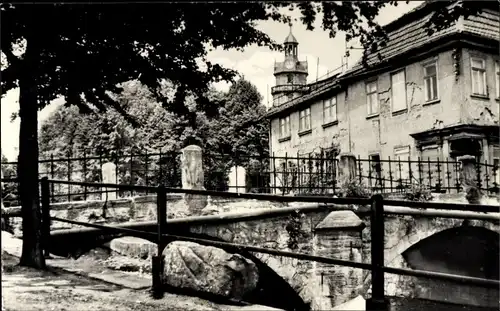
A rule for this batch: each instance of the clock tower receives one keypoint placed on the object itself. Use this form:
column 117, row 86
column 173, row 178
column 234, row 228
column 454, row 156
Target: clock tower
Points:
column 291, row 74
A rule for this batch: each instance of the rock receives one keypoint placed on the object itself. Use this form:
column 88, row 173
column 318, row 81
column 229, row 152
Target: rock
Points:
column 134, row 247
column 208, row 269
column 123, row 263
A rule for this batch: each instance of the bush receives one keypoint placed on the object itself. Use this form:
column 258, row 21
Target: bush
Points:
column 353, row 189
column 417, row 192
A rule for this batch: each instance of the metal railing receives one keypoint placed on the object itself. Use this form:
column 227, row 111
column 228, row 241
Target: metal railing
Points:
column 309, row 174
column 377, row 301
column 439, row 176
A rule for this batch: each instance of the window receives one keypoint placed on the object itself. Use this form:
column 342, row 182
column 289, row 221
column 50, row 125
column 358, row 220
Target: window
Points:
column 430, row 82
column 478, row 73
column 330, row 110
column 398, row 91
column 289, row 96
column 305, row 120
column 372, row 98
column 497, row 78
column 289, row 79
column 401, row 156
column 285, row 127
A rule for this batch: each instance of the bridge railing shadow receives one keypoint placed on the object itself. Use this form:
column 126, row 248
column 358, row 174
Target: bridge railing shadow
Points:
column 378, row 207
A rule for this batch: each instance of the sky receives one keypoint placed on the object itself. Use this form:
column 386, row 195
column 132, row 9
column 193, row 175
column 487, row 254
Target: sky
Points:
column 256, row 64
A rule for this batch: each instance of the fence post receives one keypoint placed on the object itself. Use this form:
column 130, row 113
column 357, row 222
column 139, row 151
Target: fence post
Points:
column 468, row 179
column 108, row 172
column 157, row 264
column 52, row 175
column 377, row 302
column 193, row 177
column 45, row 215
column 348, row 166
column 69, row 176
column 84, row 174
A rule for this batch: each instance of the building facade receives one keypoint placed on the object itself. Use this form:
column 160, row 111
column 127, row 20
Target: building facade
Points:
column 432, row 96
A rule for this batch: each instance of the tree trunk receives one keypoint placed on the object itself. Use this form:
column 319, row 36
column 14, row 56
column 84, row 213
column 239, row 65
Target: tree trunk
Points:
column 32, row 254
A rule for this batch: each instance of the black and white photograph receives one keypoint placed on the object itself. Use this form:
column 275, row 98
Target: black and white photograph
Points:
column 250, row 155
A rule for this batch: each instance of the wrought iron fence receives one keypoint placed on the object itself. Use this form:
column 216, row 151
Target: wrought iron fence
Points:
column 439, row 176
column 138, row 169
column 312, row 174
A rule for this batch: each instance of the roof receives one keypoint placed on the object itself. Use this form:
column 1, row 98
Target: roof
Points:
column 291, row 38
column 408, row 33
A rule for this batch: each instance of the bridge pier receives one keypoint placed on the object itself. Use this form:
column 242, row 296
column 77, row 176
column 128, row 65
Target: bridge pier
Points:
column 337, row 236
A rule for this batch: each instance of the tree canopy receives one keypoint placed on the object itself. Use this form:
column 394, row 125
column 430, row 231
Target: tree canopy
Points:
column 67, row 133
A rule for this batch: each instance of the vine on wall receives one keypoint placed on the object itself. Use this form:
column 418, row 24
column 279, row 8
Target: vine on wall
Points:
column 294, row 229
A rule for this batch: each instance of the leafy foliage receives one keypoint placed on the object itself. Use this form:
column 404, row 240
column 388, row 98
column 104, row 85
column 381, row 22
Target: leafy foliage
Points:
column 237, row 131
column 417, row 192
column 9, row 189
column 352, row 188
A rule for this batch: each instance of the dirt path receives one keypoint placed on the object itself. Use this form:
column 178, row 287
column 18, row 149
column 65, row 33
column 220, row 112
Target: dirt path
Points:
column 86, row 284
column 29, row 289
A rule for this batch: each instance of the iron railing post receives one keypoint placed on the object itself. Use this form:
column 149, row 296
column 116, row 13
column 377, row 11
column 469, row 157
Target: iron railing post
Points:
column 161, row 215
column 45, row 215
column 377, row 302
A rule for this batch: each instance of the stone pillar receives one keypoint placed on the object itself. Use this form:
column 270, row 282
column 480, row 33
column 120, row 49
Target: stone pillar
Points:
column 347, row 166
column 193, row 177
column 108, row 172
column 337, row 236
column 468, row 179
column 237, row 179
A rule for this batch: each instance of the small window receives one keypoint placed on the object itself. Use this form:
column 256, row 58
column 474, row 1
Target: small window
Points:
column 289, row 79
column 497, row 78
column 372, row 98
column 398, row 91
column 330, row 110
column 430, row 82
column 305, row 120
column 289, row 96
column 285, row 127
column 478, row 73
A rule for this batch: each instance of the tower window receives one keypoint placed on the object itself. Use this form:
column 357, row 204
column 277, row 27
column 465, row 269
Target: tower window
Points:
column 289, row 78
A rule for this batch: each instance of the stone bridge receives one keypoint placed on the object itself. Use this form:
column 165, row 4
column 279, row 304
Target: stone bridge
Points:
column 449, row 245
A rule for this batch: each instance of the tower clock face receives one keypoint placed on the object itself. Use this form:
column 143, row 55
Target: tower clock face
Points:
column 289, row 64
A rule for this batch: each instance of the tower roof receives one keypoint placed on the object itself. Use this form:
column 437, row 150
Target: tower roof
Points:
column 291, row 38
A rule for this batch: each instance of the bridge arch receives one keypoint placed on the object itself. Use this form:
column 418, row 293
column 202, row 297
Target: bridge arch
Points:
column 273, row 290
column 469, row 248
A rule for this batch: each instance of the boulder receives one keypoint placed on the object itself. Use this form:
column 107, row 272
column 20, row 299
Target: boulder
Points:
column 207, row 269
column 134, row 247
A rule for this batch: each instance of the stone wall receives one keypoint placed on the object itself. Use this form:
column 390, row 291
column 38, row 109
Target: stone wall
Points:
column 136, row 209
column 286, row 232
